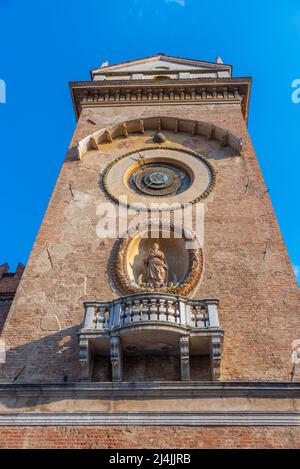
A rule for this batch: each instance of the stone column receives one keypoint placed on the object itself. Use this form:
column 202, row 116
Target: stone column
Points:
column 116, row 357
column 215, row 357
column 185, row 358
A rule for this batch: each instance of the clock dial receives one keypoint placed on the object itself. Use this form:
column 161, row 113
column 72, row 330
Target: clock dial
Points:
column 163, row 174
column 159, row 179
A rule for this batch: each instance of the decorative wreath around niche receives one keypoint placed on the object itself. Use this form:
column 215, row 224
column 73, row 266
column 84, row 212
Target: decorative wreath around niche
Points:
column 188, row 281
column 144, row 190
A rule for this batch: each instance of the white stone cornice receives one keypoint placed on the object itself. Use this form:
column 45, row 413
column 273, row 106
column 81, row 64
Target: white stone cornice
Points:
column 176, row 389
column 151, row 92
column 150, row 418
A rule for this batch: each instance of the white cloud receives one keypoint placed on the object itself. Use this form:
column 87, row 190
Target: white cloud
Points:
column 179, row 2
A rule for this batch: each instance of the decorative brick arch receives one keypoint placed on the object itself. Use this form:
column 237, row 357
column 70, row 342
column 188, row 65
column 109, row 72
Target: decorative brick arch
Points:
column 158, row 123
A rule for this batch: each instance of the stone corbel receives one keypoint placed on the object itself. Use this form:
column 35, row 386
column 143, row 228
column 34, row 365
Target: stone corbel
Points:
column 125, row 130
column 142, row 127
column 108, row 136
column 215, row 357
column 116, row 357
column 85, row 360
column 185, row 358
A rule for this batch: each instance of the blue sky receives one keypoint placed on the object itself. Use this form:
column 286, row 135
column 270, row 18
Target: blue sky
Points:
column 45, row 44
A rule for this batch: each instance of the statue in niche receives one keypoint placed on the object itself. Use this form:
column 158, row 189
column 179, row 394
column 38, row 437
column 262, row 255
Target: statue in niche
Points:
column 156, row 268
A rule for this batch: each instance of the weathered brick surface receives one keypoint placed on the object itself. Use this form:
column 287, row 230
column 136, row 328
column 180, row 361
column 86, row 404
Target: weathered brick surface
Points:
column 259, row 297
column 149, row 437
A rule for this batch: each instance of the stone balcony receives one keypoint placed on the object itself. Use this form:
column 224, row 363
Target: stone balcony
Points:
column 150, row 323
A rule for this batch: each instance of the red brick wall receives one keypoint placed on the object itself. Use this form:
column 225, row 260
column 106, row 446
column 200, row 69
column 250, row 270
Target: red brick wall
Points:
column 259, row 297
column 149, row 437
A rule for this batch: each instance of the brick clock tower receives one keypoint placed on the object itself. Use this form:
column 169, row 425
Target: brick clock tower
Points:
column 158, row 307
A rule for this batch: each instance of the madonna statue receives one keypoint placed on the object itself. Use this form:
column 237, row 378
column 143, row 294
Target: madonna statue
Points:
column 156, row 267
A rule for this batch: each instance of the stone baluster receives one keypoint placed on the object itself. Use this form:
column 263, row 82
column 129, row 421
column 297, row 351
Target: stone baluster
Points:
column 196, row 314
column 162, row 310
column 153, row 309
column 136, row 310
column 199, row 316
column 145, row 310
column 206, row 316
column 122, row 313
column 127, row 317
column 193, row 315
column 101, row 318
column 171, row 311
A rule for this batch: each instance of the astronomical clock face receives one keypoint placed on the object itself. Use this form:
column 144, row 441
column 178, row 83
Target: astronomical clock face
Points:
column 159, row 179
column 151, row 175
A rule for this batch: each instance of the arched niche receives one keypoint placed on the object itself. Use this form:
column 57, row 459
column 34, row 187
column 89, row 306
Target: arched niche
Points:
column 182, row 252
column 176, row 254
column 209, row 130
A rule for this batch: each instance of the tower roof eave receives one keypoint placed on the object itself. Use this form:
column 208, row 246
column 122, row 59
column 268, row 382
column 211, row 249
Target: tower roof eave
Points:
column 79, row 88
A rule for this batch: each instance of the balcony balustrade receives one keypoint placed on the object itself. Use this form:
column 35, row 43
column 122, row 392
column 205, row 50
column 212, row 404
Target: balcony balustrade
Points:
column 187, row 322
column 103, row 315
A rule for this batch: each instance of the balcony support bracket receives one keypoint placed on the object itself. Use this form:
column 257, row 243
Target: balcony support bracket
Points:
column 185, row 358
column 116, row 358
